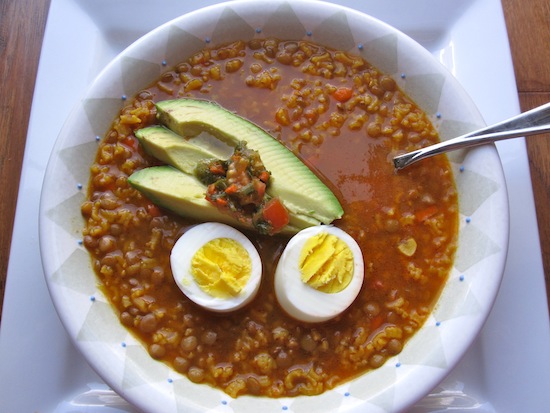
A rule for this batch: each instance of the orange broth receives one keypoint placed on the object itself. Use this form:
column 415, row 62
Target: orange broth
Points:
column 345, row 120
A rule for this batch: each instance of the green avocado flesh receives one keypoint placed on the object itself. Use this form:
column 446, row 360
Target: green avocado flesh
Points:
column 179, row 143
column 184, row 194
column 172, row 149
column 180, row 192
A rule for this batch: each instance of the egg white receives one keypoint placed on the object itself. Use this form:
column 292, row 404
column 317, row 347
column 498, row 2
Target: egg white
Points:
column 303, row 302
column 185, row 248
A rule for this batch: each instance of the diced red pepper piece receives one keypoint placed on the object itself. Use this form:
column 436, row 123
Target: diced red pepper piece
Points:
column 217, row 169
column 259, row 187
column 264, row 176
column 342, row 94
column 276, row 214
column 426, row 213
column 221, row 201
column 231, row 189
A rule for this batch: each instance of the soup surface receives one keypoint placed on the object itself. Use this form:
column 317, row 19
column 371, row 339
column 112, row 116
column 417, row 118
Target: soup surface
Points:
column 345, row 120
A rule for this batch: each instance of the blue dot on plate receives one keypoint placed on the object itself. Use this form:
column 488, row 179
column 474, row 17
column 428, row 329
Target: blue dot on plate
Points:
column 285, row 407
column 97, row 138
column 164, row 63
column 258, row 30
column 403, row 75
column 92, row 298
column 438, row 323
column 397, row 364
column 309, row 33
column 461, row 168
column 224, row 402
column 207, row 40
column 461, row 278
column 347, row 394
column 468, row 220
column 123, row 344
column 360, row 46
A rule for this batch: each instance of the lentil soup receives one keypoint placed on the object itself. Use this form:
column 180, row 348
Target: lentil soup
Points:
column 345, row 120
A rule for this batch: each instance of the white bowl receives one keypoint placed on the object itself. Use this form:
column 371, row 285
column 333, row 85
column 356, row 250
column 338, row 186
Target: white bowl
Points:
column 464, row 303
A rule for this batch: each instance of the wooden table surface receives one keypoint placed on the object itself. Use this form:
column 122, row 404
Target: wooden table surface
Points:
column 22, row 25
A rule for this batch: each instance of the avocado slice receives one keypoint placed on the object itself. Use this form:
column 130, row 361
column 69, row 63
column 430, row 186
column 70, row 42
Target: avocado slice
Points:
column 177, row 151
column 171, row 148
column 302, row 192
column 183, row 194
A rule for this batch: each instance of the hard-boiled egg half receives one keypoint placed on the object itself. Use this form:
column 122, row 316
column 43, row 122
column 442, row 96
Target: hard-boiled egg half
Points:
column 319, row 274
column 216, row 266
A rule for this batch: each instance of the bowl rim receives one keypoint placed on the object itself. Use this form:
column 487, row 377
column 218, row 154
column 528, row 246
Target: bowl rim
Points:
column 52, row 253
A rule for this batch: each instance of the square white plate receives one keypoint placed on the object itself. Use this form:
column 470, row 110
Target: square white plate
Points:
column 506, row 369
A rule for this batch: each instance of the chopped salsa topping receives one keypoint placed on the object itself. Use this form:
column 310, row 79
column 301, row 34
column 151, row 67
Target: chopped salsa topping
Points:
column 237, row 187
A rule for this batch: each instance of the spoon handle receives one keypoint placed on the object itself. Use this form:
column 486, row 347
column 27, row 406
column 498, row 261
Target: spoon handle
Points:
column 532, row 122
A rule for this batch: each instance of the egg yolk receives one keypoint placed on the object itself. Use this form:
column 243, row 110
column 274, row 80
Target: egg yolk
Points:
column 326, row 263
column 221, row 267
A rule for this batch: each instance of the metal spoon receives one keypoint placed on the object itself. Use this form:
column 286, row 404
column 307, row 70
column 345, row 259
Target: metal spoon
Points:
column 532, row 122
